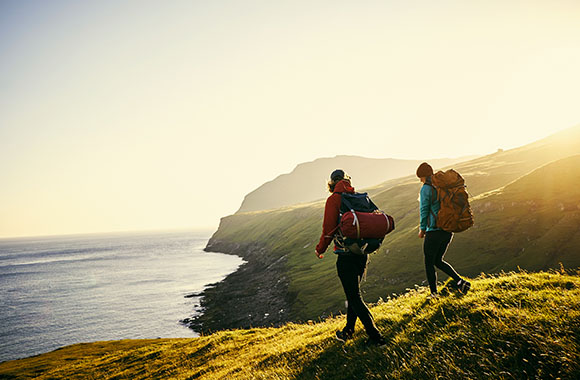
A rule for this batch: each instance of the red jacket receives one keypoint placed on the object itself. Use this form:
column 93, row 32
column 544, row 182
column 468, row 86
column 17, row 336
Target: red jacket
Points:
column 331, row 215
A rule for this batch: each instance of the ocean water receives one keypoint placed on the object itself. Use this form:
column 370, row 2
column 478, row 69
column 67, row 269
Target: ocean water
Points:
column 56, row 291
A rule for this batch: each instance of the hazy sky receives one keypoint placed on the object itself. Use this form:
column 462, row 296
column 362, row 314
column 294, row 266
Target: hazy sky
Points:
column 126, row 115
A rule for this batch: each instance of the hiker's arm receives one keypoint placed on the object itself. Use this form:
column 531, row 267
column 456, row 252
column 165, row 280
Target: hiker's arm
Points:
column 331, row 214
column 425, row 207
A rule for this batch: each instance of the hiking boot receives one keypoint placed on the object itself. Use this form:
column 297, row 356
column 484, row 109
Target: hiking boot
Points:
column 463, row 286
column 377, row 341
column 343, row 335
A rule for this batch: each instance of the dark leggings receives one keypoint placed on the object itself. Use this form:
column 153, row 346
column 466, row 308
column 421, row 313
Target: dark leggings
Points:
column 434, row 247
column 351, row 269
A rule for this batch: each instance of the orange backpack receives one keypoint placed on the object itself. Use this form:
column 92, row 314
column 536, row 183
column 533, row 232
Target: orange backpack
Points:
column 455, row 213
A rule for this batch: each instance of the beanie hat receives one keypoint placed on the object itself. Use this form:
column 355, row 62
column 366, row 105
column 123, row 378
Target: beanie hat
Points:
column 424, row 170
column 338, row 174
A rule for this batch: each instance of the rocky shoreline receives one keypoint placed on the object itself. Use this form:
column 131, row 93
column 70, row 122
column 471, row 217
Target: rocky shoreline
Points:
column 256, row 295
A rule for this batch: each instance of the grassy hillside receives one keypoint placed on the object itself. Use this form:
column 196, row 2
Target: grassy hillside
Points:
column 520, row 225
column 513, row 326
column 306, row 183
column 531, row 227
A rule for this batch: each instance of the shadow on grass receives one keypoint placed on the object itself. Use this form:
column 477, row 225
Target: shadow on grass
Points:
column 353, row 359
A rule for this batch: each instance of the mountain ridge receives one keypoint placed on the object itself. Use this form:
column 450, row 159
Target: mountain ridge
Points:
column 306, row 182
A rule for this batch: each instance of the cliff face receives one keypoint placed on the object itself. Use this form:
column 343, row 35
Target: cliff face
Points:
column 255, row 295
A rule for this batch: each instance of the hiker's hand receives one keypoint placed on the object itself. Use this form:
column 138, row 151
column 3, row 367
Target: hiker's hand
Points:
column 421, row 234
column 319, row 255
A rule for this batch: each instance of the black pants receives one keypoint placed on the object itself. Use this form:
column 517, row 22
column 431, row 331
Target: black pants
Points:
column 351, row 269
column 434, row 247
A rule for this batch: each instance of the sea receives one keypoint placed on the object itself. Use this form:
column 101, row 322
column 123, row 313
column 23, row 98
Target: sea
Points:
column 57, row 291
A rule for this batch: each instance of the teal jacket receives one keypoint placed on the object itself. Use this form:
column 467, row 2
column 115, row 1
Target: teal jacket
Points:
column 429, row 208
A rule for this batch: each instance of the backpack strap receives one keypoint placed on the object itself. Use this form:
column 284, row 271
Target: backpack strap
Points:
column 431, row 205
column 373, row 204
column 355, row 221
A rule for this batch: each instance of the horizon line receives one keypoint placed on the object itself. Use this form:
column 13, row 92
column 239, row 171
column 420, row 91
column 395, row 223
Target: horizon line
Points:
column 114, row 232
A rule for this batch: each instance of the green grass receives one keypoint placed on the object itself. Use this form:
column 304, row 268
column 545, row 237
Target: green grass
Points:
column 510, row 326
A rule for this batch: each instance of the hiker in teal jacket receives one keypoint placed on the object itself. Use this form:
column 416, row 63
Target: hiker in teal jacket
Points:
column 429, row 206
column 436, row 240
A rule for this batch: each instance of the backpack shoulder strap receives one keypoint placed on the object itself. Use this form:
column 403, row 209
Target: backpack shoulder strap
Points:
column 373, row 203
column 432, row 202
column 433, row 188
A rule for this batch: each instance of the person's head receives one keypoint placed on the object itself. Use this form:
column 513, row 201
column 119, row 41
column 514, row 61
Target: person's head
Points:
column 335, row 177
column 424, row 171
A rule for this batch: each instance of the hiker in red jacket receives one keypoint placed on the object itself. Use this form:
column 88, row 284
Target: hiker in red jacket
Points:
column 351, row 267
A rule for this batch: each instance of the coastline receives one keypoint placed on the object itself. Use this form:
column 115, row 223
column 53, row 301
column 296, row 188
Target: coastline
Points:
column 255, row 295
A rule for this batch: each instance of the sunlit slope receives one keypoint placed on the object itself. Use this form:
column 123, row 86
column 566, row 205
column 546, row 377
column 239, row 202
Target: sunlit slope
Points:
column 292, row 233
column 306, row 183
column 531, row 223
column 539, row 214
column 495, row 170
column 513, row 326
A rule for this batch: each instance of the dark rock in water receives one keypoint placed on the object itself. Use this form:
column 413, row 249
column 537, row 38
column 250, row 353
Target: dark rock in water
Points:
column 196, row 294
column 253, row 296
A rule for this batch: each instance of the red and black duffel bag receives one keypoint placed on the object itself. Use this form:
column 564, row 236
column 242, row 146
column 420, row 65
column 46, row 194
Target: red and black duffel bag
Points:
column 366, row 225
column 362, row 226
